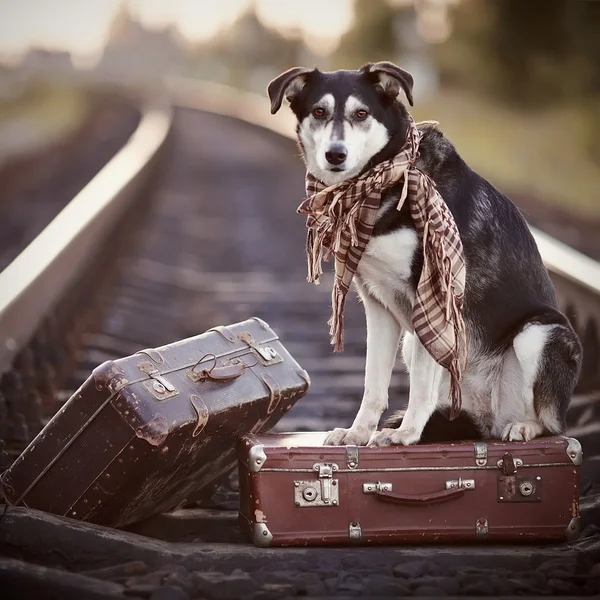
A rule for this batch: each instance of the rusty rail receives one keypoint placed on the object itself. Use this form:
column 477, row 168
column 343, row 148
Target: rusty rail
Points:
column 32, row 284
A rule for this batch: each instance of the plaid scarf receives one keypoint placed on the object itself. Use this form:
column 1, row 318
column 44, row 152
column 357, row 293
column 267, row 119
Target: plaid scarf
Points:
column 340, row 221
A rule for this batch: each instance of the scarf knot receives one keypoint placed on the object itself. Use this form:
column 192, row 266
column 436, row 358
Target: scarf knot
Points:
column 340, row 221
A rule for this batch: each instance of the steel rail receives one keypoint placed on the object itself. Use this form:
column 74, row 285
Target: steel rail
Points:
column 32, row 284
column 561, row 260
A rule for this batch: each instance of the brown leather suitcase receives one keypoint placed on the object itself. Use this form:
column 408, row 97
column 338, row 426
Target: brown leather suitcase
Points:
column 146, row 432
column 296, row 492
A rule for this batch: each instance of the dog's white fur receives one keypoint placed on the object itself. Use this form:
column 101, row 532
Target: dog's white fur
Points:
column 499, row 390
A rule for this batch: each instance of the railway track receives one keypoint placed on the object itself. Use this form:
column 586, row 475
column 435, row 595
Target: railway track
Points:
column 193, row 224
column 35, row 189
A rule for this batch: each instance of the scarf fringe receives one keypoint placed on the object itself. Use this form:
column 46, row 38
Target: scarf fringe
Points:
column 336, row 322
column 459, row 359
column 455, row 392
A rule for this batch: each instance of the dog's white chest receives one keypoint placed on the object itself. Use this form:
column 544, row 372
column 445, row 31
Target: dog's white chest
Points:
column 385, row 265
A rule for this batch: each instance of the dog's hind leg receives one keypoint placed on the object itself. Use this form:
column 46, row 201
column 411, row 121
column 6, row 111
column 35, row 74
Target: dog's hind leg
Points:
column 383, row 337
column 538, row 378
column 425, row 381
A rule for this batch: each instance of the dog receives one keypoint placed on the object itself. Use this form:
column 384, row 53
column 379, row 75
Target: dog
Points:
column 523, row 357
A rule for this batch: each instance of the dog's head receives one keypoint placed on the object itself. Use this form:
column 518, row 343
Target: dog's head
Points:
column 347, row 120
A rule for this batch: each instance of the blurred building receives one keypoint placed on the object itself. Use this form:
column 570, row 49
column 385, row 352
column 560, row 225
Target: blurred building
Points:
column 134, row 54
column 38, row 62
column 249, row 54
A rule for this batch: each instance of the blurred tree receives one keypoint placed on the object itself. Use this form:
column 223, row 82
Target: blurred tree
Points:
column 248, row 54
column 530, row 41
column 548, row 51
column 536, row 51
column 371, row 37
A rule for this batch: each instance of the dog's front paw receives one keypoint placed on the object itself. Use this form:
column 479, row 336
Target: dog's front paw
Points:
column 395, row 437
column 522, row 432
column 347, row 437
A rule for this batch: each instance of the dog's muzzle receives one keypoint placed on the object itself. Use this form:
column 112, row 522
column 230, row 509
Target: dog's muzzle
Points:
column 336, row 154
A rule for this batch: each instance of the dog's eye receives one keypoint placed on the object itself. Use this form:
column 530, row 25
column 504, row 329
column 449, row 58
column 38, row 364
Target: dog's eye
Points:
column 361, row 114
column 319, row 113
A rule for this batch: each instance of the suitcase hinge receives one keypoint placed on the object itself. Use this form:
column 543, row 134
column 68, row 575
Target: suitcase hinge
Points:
column 352, row 457
column 325, row 493
column 481, row 527
column 480, row 454
column 354, row 531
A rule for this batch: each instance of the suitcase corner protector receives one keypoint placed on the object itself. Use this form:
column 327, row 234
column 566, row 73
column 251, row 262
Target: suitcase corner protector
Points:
column 261, row 322
column 261, row 536
column 573, row 529
column 256, row 458
column 574, row 451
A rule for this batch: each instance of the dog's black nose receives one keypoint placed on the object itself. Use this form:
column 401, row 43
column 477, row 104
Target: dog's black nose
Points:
column 336, row 154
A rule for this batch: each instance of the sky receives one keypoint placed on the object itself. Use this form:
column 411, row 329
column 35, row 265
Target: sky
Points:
column 81, row 26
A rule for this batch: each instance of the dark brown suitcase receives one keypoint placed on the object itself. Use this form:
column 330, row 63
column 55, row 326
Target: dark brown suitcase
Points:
column 146, row 432
column 296, row 492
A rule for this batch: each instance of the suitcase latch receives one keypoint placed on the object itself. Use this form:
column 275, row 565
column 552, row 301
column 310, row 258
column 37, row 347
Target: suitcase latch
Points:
column 267, row 354
column 158, row 386
column 323, row 492
column 508, row 464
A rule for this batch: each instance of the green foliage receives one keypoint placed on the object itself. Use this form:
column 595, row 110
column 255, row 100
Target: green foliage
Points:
column 527, row 52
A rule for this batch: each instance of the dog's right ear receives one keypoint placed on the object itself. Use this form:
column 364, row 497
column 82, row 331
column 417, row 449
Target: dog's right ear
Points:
column 288, row 84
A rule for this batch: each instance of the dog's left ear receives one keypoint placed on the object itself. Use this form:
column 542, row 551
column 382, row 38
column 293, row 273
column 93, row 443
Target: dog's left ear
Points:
column 288, row 84
column 390, row 78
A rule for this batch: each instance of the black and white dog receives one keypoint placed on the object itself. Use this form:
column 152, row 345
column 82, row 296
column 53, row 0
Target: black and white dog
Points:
column 523, row 357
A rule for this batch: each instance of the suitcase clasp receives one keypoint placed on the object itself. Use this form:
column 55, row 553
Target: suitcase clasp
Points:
column 323, row 493
column 508, row 464
column 267, row 354
column 158, row 385
column 325, row 475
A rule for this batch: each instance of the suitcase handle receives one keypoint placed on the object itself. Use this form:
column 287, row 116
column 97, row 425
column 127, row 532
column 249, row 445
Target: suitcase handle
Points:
column 222, row 373
column 421, row 499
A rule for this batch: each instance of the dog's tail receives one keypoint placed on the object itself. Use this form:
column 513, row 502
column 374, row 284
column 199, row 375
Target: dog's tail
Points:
column 440, row 429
